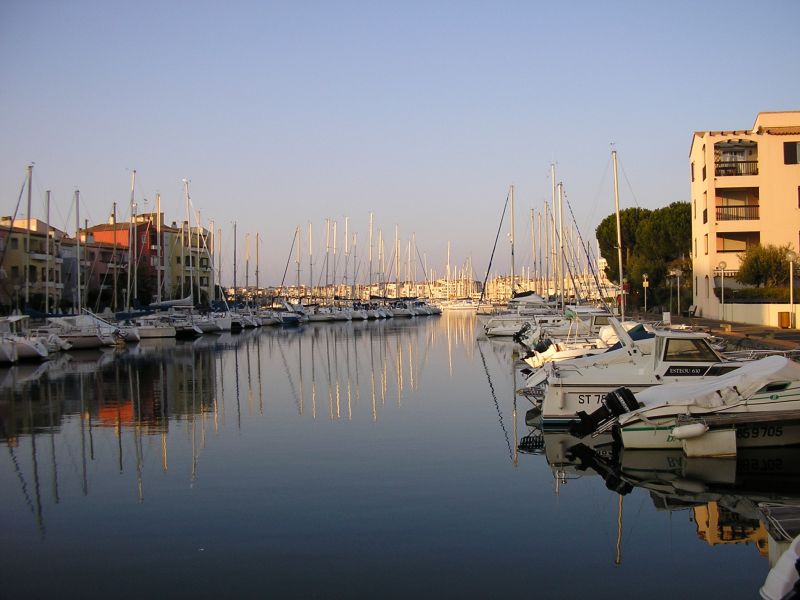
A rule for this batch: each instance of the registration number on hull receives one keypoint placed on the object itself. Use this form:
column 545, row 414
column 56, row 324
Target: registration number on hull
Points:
column 592, row 398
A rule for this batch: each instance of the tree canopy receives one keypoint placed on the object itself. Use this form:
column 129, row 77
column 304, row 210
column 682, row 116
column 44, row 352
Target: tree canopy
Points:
column 766, row 266
column 653, row 242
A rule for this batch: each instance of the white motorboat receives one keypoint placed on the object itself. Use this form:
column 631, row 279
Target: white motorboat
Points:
column 8, row 351
column 583, row 383
column 756, row 405
column 523, row 308
column 82, row 332
column 152, row 327
column 28, row 346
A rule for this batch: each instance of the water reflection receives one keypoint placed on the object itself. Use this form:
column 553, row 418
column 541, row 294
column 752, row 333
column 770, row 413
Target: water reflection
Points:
column 133, row 400
column 753, row 499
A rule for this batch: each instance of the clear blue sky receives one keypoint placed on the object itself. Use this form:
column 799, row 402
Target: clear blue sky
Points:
column 423, row 112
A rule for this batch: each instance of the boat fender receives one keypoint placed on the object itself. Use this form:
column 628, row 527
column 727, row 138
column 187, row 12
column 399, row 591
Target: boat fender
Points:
column 687, row 432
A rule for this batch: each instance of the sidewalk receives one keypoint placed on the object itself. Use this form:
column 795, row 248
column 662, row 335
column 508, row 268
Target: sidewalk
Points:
column 746, row 336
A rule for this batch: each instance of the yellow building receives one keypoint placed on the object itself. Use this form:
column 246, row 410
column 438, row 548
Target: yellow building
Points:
column 745, row 188
column 42, row 262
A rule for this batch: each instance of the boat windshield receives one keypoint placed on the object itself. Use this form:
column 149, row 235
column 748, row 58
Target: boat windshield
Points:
column 689, row 350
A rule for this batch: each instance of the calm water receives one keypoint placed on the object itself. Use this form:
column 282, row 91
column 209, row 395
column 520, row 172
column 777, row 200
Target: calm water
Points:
column 348, row 460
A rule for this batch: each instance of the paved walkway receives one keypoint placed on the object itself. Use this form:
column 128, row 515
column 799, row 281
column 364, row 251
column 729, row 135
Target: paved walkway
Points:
column 746, row 336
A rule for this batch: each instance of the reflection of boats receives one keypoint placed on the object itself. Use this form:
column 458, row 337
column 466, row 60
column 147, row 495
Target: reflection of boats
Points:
column 756, row 405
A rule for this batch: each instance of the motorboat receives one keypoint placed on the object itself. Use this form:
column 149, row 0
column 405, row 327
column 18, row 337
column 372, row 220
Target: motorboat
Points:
column 28, row 346
column 582, row 384
column 756, row 405
column 522, row 309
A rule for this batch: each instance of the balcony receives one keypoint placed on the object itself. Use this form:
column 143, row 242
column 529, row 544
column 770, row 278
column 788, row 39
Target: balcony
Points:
column 745, row 212
column 734, row 168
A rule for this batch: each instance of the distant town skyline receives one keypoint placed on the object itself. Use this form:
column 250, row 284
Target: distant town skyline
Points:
column 422, row 113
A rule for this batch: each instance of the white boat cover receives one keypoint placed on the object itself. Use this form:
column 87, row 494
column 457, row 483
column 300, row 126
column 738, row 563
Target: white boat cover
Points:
column 730, row 388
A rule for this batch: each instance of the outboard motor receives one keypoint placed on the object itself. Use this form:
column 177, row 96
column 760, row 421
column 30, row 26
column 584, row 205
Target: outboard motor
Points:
column 616, row 403
column 543, row 345
column 517, row 337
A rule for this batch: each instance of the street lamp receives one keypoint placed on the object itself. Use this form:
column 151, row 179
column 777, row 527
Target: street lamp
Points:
column 721, row 268
column 645, row 285
column 792, row 257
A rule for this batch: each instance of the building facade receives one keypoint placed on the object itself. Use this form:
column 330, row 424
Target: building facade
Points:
column 745, row 190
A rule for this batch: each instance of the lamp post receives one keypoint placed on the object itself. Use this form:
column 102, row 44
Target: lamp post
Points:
column 721, row 268
column 792, row 257
column 645, row 285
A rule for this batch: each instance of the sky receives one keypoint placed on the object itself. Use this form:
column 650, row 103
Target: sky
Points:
column 285, row 113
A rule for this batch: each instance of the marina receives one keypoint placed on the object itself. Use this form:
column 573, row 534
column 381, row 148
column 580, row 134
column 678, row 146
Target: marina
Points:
column 343, row 458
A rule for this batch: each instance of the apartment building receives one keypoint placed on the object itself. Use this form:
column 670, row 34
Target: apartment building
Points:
column 31, row 264
column 745, row 190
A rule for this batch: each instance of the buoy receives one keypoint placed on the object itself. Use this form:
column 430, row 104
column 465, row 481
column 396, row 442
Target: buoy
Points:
column 687, row 432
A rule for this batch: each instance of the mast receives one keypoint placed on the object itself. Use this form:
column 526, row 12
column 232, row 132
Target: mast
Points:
column 297, row 260
column 397, row 261
column 211, row 252
column 327, row 253
column 28, row 241
column 511, row 192
column 246, row 263
column 258, row 243
column 561, row 243
column 188, row 243
column 346, row 250
column 533, row 248
column 619, row 237
column 310, row 262
column 159, row 265
column 554, row 198
column 370, row 255
column 219, row 258
column 47, row 254
column 234, row 262
column 78, row 246
column 448, row 295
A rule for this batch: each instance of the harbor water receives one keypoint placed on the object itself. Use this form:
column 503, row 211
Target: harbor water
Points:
column 352, row 459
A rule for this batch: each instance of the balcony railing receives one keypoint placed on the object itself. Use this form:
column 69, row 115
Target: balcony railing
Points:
column 736, row 167
column 746, row 212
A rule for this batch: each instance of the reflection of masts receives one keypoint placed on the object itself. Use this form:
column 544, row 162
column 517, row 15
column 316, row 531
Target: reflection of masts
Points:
column 313, row 382
column 372, row 377
column 236, row 376
column 260, row 388
column 496, row 404
column 300, row 364
column 193, row 477
column 330, row 385
column 137, row 436
column 162, row 401
column 52, row 442
column 85, row 485
column 35, row 462
column 618, row 558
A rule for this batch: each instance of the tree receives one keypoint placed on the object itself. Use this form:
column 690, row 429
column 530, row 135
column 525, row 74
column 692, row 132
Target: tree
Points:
column 766, row 266
column 606, row 233
column 654, row 242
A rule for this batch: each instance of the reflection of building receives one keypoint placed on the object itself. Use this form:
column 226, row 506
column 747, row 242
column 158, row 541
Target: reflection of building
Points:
column 718, row 525
column 745, row 187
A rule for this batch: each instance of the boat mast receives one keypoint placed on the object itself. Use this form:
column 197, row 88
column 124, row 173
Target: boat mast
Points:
column 47, row 254
column 28, row 241
column 369, row 278
column 159, row 266
column 310, row 263
column 299, row 249
column 188, row 244
column 131, row 242
column 554, row 197
column 78, row 246
column 397, row 261
column 561, row 244
column 346, row 250
column 511, row 193
column 619, row 237
column 234, row 262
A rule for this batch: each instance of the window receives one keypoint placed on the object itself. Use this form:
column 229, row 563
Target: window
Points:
column 695, row 285
column 790, row 152
column 14, row 243
column 15, row 272
column 705, row 243
column 695, row 246
column 692, row 171
column 694, row 207
column 689, row 349
column 737, row 242
column 708, row 287
column 178, row 260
